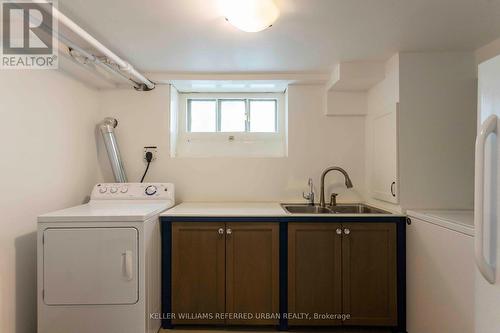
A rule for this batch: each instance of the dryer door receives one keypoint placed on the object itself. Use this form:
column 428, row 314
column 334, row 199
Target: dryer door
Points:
column 90, row 266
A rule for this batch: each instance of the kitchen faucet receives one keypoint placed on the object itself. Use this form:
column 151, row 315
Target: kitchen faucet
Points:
column 348, row 183
column 309, row 196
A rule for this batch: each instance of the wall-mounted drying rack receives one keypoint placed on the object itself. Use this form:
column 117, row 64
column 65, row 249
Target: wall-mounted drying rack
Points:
column 106, row 59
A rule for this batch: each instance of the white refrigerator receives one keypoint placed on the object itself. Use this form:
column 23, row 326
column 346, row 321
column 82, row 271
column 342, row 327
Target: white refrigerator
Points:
column 487, row 200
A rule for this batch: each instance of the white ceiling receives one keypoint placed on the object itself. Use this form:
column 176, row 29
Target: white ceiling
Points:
column 310, row 35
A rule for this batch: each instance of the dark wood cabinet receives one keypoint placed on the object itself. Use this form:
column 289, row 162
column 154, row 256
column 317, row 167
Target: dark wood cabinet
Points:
column 198, row 272
column 343, row 269
column 340, row 270
column 369, row 272
column 252, row 264
column 314, row 271
column 220, row 268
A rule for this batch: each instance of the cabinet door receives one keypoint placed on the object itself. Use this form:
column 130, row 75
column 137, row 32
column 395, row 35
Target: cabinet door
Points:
column 369, row 273
column 252, row 278
column 198, row 252
column 384, row 175
column 314, row 271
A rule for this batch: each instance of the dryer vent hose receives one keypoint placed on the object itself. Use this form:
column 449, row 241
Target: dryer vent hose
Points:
column 107, row 127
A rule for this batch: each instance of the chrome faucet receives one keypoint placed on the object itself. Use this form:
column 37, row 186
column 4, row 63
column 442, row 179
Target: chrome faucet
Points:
column 348, row 183
column 309, row 196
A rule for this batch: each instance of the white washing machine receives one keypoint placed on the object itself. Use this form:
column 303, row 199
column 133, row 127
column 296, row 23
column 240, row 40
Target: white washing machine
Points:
column 99, row 264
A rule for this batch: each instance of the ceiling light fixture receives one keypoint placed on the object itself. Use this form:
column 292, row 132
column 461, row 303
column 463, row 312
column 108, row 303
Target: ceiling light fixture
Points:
column 250, row 15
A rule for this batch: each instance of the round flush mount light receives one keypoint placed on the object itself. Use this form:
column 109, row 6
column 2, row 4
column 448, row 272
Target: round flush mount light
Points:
column 250, row 15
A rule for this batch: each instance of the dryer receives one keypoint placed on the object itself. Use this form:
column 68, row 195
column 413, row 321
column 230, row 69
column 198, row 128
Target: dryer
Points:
column 99, row 264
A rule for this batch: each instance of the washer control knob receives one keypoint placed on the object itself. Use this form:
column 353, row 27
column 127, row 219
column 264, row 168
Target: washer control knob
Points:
column 103, row 190
column 113, row 190
column 124, row 189
column 151, row 190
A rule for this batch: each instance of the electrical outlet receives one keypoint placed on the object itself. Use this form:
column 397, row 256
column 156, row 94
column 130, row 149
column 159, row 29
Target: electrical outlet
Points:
column 153, row 150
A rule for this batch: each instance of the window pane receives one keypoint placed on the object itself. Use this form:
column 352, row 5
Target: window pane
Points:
column 263, row 116
column 202, row 116
column 232, row 116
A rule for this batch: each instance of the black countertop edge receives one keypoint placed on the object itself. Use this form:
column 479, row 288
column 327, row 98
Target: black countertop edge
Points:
column 333, row 219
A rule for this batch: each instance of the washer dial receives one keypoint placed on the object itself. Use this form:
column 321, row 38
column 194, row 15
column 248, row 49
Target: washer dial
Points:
column 151, row 190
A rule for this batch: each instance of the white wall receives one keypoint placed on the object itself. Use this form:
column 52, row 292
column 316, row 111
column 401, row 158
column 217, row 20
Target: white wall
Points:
column 315, row 142
column 438, row 107
column 346, row 103
column 47, row 128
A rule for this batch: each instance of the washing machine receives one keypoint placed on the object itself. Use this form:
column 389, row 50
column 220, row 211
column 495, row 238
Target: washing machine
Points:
column 99, row 264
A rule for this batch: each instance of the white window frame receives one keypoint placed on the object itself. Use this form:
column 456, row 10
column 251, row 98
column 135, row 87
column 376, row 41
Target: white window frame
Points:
column 218, row 118
column 236, row 144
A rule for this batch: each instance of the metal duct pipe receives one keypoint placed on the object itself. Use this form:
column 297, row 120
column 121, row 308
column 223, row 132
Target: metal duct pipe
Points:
column 122, row 64
column 141, row 82
column 107, row 127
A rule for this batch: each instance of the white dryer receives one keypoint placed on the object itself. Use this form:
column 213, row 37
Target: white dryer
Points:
column 99, row 264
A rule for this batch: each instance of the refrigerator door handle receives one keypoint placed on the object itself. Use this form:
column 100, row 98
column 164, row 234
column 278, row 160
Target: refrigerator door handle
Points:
column 488, row 271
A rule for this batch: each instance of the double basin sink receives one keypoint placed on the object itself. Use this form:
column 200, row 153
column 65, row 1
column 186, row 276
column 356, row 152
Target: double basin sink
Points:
column 337, row 209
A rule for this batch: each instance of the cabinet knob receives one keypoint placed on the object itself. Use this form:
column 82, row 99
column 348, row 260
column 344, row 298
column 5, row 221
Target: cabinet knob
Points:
column 347, row 231
column 221, row 231
column 338, row 231
column 229, row 231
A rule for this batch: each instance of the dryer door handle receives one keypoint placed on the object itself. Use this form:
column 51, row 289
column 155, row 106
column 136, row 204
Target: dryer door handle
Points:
column 129, row 267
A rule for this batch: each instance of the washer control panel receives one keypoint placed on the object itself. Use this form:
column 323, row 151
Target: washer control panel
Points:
column 133, row 191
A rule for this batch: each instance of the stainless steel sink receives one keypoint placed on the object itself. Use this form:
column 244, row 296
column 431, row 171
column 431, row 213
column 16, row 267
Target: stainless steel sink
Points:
column 338, row 209
column 356, row 209
column 306, row 209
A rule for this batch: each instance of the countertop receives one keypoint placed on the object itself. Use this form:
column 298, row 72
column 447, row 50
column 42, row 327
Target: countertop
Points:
column 243, row 209
column 457, row 220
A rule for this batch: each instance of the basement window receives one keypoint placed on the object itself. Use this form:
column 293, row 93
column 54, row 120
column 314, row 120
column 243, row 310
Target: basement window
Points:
column 232, row 115
column 229, row 124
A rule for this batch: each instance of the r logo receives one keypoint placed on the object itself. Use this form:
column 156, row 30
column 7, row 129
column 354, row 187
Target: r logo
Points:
column 27, row 28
